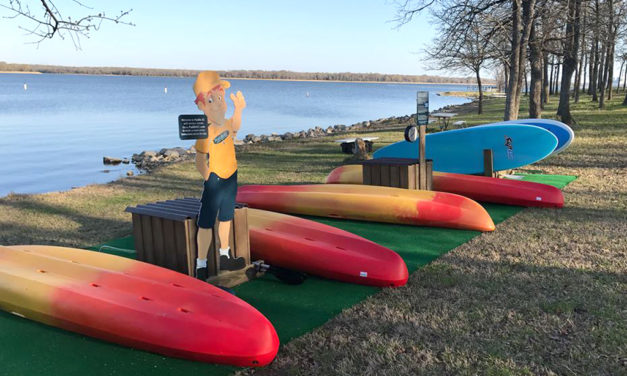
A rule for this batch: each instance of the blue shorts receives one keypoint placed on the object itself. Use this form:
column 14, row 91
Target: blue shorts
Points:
column 218, row 199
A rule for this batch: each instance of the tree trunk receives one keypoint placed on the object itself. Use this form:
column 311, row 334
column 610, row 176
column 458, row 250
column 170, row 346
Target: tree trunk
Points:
column 535, row 61
column 625, row 80
column 581, row 68
column 528, row 15
column 603, row 78
column 595, row 71
column 480, row 110
column 510, row 100
column 620, row 75
column 601, row 69
column 610, row 70
column 571, row 47
column 576, row 74
column 582, row 61
column 551, row 91
column 545, row 79
column 526, row 83
column 595, row 74
column 591, row 64
column 506, row 74
column 557, row 77
column 585, row 65
column 521, row 20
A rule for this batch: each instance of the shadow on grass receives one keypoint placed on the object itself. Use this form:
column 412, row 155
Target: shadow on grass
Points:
column 87, row 231
column 161, row 182
column 470, row 316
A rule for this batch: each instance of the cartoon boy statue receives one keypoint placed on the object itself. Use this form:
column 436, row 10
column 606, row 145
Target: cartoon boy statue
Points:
column 215, row 160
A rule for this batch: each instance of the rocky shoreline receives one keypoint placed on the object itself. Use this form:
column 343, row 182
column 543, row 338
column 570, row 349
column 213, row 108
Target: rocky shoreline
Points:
column 148, row 160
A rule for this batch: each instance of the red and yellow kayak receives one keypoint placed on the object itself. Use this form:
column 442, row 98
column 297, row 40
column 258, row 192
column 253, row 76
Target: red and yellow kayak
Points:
column 480, row 188
column 133, row 304
column 370, row 203
column 311, row 247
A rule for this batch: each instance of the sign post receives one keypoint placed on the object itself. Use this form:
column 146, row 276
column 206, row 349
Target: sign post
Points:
column 422, row 119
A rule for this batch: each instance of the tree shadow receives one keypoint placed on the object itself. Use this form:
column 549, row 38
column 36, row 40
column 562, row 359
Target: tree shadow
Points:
column 468, row 315
column 89, row 229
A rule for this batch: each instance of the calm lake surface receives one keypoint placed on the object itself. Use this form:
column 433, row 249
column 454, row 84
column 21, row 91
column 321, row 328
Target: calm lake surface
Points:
column 55, row 129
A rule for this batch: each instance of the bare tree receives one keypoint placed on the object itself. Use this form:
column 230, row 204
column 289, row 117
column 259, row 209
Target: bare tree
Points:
column 571, row 47
column 622, row 74
column 594, row 67
column 461, row 48
column 580, row 71
column 45, row 20
column 545, row 32
column 618, row 12
column 535, row 61
column 522, row 15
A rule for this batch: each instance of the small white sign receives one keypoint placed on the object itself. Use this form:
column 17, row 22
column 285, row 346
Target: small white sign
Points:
column 363, row 274
column 538, row 198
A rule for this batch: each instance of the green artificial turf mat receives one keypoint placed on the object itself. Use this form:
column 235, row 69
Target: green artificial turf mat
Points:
column 559, row 181
column 293, row 310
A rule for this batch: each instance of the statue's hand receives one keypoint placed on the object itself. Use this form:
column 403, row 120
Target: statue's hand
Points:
column 238, row 100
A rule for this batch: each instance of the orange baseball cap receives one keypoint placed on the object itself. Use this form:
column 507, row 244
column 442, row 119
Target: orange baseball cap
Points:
column 207, row 81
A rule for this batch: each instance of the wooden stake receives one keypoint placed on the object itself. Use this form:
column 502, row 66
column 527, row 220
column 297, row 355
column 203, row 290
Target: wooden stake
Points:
column 488, row 162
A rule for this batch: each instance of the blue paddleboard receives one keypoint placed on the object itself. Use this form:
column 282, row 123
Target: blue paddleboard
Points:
column 461, row 150
column 563, row 132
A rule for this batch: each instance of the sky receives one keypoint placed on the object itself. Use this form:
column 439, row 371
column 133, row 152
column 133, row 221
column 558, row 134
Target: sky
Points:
column 303, row 36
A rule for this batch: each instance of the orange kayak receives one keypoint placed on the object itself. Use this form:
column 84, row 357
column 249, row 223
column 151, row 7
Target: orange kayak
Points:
column 133, row 304
column 370, row 203
column 480, row 188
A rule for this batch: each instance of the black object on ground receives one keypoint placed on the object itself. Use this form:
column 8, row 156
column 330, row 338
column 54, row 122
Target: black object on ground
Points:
column 291, row 277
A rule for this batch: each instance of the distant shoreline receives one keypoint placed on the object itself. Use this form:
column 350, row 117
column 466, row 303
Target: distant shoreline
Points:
column 257, row 79
column 245, row 74
column 358, row 82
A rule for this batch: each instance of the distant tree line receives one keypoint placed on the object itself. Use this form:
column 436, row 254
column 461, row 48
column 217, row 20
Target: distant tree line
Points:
column 563, row 47
column 251, row 74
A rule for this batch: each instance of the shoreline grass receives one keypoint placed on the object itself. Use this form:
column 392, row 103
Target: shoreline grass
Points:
column 543, row 294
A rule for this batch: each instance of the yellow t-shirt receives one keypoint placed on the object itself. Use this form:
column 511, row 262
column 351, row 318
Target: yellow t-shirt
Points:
column 221, row 149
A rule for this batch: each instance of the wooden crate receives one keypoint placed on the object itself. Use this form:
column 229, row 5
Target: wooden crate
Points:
column 396, row 172
column 165, row 235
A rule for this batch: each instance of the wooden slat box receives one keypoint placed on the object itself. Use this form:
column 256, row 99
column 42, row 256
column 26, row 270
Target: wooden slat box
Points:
column 396, row 172
column 165, row 235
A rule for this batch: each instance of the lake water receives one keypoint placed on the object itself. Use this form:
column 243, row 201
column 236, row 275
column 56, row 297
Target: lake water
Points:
column 55, row 129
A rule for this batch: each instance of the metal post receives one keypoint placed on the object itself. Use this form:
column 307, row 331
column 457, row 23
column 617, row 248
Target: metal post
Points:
column 422, row 118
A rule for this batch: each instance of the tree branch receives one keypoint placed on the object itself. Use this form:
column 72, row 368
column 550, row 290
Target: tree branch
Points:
column 54, row 24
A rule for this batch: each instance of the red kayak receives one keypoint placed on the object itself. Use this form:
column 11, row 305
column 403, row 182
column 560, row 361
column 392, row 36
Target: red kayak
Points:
column 499, row 191
column 480, row 188
column 134, row 304
column 311, row 247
